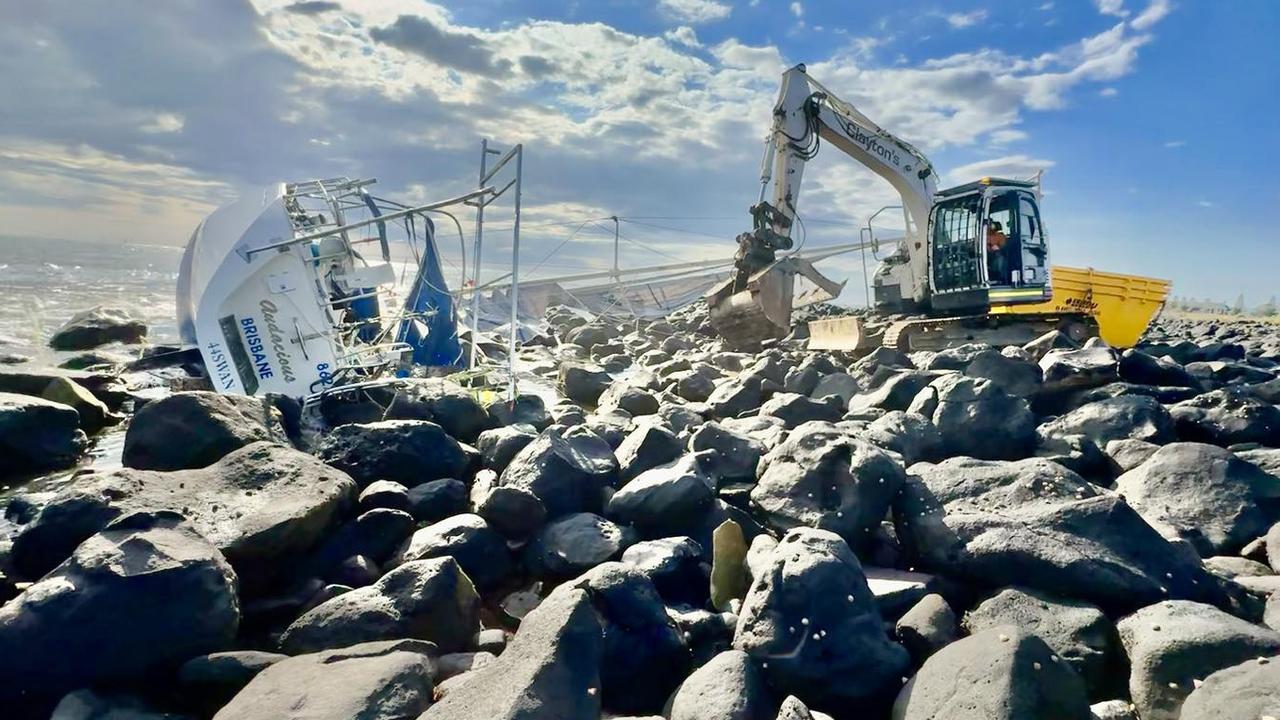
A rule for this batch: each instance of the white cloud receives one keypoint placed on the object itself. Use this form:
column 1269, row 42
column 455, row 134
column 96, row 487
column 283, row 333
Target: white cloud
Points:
column 695, row 11
column 1004, row 137
column 683, row 35
column 165, row 122
column 1108, row 92
column 797, row 9
column 1206, row 203
column 1172, row 144
column 1009, row 166
column 1046, row 7
column 582, row 96
column 1154, row 13
column 964, row 20
column 1111, row 7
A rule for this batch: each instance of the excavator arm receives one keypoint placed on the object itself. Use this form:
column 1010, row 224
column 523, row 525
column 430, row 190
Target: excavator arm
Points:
column 808, row 114
column 756, row 302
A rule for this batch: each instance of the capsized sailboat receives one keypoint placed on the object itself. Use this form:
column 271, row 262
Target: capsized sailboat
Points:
column 295, row 290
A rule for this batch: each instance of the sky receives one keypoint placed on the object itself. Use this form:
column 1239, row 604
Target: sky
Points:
column 1154, row 121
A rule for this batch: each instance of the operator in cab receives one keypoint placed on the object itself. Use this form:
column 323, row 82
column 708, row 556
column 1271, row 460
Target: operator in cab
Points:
column 997, row 267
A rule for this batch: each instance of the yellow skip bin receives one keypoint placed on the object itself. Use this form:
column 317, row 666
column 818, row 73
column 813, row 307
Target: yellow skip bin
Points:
column 1122, row 305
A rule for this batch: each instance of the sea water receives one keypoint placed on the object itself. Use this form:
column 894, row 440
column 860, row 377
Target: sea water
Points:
column 44, row 282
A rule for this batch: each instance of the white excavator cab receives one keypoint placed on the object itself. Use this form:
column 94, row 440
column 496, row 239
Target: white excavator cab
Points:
column 987, row 245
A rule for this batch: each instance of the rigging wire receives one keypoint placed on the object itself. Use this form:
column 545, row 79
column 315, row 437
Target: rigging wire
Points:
column 648, row 247
column 672, row 229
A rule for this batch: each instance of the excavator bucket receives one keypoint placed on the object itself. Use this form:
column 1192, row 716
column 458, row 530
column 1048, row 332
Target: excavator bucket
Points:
column 761, row 310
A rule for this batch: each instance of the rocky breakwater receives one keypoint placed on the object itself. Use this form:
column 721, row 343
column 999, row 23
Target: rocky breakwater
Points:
column 687, row 532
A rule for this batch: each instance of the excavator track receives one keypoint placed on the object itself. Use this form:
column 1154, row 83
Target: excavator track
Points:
column 941, row 333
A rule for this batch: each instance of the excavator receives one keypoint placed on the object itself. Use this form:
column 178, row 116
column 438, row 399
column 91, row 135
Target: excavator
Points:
column 972, row 266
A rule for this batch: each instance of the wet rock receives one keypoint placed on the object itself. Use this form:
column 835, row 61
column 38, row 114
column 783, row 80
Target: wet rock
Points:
column 86, row 704
column 567, row 414
column 479, row 549
column 1007, row 674
column 210, row 681
column 1202, row 494
column 107, row 387
column 1228, row 566
column 1227, row 417
column 98, row 326
column 736, row 455
column 841, row 384
column 1075, row 369
column 498, row 446
column 911, row 435
column 794, row 410
column 1128, row 454
column 196, row 429
column 263, row 506
column 94, row 414
column 666, row 500
column 927, row 627
column 626, row 396
column 409, row 452
column 1173, row 644
column 768, row 430
column 1143, row 369
column 138, row 598
column 645, row 448
column 514, row 513
column 37, row 435
column 824, row 478
column 1077, row 631
column 644, row 657
column 735, row 397
column 1216, row 373
column 1248, row 690
column 425, row 600
column 551, row 669
column 374, row 535
column 681, row 419
column 583, row 383
column 811, row 617
column 566, row 470
column 694, row 385
column 1268, row 459
column 731, row 686
column 591, row 335
column 610, row 424
column 524, row 410
column 1113, row 710
column 676, row 567
column 386, row 680
column 436, row 500
column 455, row 664
column 100, row 359
column 976, row 418
column 894, row 393
column 444, row 403
column 575, row 543
column 1076, row 453
column 384, row 494
column 801, row 380
column 1272, row 544
column 1036, row 524
column 1014, row 375
column 1130, row 417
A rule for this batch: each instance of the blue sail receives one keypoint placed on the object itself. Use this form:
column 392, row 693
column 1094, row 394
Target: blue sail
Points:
column 434, row 335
